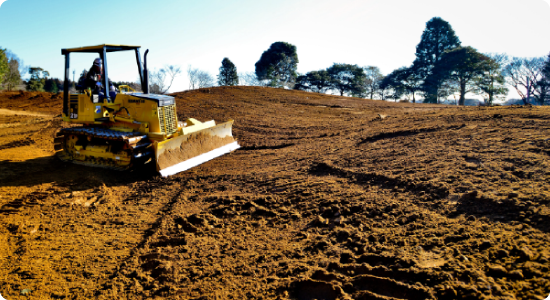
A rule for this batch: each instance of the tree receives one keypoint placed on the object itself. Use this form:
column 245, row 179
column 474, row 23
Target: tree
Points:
column 199, row 79
column 38, row 79
column 461, row 66
column 373, row 77
column 157, row 79
column 3, row 64
column 402, row 81
column 249, row 79
column 228, row 74
column 52, row 85
column 12, row 76
column 347, row 78
column 384, row 90
column 204, row 79
column 546, row 74
column 438, row 37
column 15, row 71
column 278, row 65
column 172, row 71
column 192, row 74
column 492, row 82
column 315, row 81
column 391, row 87
column 525, row 76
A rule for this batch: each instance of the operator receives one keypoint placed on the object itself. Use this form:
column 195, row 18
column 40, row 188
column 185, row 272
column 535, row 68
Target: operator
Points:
column 94, row 77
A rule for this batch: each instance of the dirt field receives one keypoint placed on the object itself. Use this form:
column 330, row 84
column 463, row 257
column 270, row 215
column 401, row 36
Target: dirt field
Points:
column 328, row 198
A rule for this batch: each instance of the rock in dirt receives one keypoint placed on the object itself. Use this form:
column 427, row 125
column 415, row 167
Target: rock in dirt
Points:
column 319, row 221
column 26, row 292
column 339, row 221
column 526, row 254
column 497, row 271
column 516, row 274
column 502, row 253
column 485, row 245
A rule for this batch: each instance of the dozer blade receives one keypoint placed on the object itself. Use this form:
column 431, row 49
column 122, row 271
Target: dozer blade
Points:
column 187, row 151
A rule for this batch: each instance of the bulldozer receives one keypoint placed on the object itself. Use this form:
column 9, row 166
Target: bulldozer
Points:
column 133, row 128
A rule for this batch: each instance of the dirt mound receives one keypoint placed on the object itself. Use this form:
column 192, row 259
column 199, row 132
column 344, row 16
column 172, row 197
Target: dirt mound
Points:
column 326, row 199
column 32, row 101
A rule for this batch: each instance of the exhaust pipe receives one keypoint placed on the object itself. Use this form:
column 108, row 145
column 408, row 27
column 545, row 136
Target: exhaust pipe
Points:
column 145, row 73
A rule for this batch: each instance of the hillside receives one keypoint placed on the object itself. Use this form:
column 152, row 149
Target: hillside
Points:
column 328, row 198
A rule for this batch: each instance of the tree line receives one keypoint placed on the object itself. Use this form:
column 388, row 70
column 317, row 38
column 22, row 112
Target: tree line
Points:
column 443, row 67
column 13, row 69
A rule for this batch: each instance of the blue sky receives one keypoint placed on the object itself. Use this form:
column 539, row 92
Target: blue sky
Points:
column 382, row 33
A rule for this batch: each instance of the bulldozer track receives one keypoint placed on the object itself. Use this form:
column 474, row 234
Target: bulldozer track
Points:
column 131, row 139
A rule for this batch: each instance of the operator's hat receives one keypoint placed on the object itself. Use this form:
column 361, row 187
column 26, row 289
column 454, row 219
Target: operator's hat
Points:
column 97, row 62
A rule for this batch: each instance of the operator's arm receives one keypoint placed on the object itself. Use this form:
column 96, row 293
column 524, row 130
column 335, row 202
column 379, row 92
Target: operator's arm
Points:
column 91, row 80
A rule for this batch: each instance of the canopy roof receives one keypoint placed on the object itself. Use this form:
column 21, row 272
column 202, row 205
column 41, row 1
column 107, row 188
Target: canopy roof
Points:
column 99, row 48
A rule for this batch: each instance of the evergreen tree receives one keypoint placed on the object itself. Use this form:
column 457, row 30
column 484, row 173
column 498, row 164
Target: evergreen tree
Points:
column 278, row 64
column 315, row 81
column 13, row 76
column 391, row 86
column 37, row 80
column 438, row 37
column 4, row 67
column 228, row 74
column 52, row 85
column 492, row 82
column 15, row 71
column 402, row 81
column 461, row 66
column 347, row 78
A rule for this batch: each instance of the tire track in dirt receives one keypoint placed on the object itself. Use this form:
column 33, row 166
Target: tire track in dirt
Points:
column 433, row 192
column 16, row 144
column 190, row 225
column 406, row 133
column 146, row 193
column 85, row 209
column 278, row 210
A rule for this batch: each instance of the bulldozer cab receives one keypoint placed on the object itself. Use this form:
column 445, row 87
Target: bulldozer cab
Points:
column 101, row 51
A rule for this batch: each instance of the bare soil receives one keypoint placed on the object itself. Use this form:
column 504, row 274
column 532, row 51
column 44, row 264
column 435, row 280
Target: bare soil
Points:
column 328, row 198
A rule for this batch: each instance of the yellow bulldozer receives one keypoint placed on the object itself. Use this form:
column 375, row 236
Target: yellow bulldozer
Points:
column 131, row 128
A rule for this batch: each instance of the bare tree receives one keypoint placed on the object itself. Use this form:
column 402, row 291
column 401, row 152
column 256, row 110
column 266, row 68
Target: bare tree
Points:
column 172, row 72
column 524, row 75
column 158, row 79
column 249, row 79
column 192, row 74
column 204, row 79
column 372, row 80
